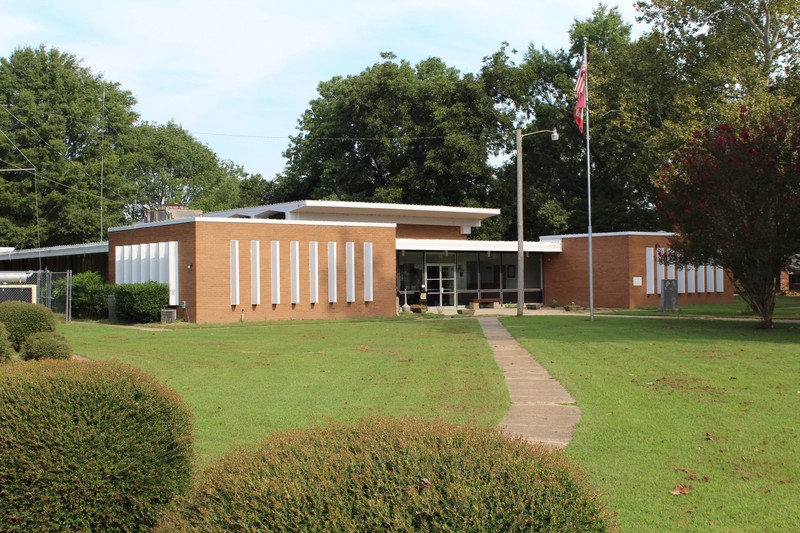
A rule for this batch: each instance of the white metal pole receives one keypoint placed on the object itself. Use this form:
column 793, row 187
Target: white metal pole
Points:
column 520, row 236
column 589, row 184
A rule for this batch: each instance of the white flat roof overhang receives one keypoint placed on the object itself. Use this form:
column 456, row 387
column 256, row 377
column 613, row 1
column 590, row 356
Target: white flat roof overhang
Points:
column 454, row 245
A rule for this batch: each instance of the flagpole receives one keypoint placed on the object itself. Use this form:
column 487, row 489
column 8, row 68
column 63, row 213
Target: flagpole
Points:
column 589, row 182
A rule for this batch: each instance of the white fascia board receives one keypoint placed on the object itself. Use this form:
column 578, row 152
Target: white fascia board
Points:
column 57, row 251
column 608, row 234
column 439, row 245
column 385, row 219
column 263, row 221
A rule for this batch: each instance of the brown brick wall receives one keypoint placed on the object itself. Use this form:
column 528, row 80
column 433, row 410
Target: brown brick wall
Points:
column 206, row 286
column 415, row 231
column 617, row 259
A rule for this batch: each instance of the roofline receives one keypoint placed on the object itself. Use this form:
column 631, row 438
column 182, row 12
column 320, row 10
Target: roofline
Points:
column 56, row 251
column 609, row 234
column 459, row 245
column 267, row 221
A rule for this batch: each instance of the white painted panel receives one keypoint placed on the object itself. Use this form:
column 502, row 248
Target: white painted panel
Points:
column 119, row 265
column 333, row 293
column 650, row 269
column 681, row 272
column 350, row 271
column 127, row 252
column 659, row 269
column 234, row 272
column 720, row 282
column 255, row 272
column 368, row 274
column 136, row 269
column 701, row 279
column 144, row 262
column 173, row 276
column 294, row 271
column 710, row 275
column 671, row 271
column 313, row 272
column 153, row 261
column 275, row 263
column 163, row 262
column 690, row 279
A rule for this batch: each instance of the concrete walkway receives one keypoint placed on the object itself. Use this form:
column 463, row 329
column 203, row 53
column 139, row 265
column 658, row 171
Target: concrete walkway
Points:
column 542, row 410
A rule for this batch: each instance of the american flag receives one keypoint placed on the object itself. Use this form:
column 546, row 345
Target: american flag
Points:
column 580, row 94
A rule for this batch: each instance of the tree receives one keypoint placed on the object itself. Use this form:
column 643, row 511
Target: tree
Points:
column 395, row 133
column 66, row 123
column 169, row 166
column 733, row 194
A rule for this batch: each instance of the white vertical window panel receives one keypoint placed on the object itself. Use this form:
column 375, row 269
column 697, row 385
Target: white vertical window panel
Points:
column 275, row 263
column 368, row 274
column 294, row 271
column 313, row 272
column 127, row 264
column 163, row 262
column 720, row 281
column 119, row 265
column 350, row 271
column 659, row 269
column 711, row 272
column 136, row 270
column 255, row 272
column 671, row 271
column 153, row 255
column 333, row 293
column 690, row 279
column 650, row 268
column 681, row 272
column 173, row 277
column 234, row 272
column 144, row 262
column 701, row 279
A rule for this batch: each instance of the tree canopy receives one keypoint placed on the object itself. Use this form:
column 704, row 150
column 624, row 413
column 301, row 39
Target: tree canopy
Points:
column 733, row 194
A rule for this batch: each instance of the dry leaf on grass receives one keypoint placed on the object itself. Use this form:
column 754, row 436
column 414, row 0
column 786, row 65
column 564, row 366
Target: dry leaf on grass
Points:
column 680, row 490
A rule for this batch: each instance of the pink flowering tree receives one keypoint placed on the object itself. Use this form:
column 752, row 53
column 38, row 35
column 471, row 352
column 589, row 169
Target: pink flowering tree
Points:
column 733, row 197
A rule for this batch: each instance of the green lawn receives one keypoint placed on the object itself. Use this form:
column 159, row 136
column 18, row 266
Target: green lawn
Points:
column 786, row 307
column 711, row 405
column 243, row 382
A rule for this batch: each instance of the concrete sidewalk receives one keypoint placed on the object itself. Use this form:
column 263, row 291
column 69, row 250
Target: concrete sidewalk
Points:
column 542, row 410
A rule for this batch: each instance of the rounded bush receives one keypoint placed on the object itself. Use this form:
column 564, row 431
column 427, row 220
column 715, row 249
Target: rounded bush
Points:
column 90, row 295
column 141, row 303
column 23, row 318
column 88, row 446
column 395, row 475
column 7, row 352
column 46, row 345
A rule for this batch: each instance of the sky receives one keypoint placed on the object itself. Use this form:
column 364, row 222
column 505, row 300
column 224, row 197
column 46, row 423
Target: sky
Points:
column 238, row 74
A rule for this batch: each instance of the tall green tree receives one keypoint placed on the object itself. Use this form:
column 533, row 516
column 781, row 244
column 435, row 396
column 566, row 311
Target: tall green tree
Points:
column 166, row 165
column 396, row 133
column 66, row 123
column 733, row 194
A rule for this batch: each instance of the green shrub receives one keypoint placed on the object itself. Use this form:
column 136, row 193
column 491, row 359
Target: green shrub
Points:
column 141, row 302
column 88, row 446
column 90, row 295
column 23, row 318
column 7, row 352
column 46, row 345
column 395, row 475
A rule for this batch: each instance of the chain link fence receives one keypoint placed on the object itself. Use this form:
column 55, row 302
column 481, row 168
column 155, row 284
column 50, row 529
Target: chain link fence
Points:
column 50, row 289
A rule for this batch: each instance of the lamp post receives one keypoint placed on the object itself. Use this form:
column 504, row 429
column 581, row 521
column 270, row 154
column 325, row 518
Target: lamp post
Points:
column 520, row 237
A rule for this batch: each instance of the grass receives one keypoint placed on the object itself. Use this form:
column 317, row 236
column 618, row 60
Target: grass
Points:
column 245, row 381
column 710, row 405
column 786, row 307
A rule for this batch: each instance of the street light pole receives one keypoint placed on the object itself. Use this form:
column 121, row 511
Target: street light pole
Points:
column 520, row 236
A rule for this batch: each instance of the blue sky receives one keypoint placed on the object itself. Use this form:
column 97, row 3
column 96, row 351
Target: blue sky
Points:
column 238, row 74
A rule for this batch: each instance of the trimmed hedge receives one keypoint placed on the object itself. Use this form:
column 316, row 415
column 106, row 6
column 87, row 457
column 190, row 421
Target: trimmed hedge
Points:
column 7, row 352
column 90, row 295
column 23, row 318
column 46, row 345
column 141, row 303
column 396, row 475
column 88, row 446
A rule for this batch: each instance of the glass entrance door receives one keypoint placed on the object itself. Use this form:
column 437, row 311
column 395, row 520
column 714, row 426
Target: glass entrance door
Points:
column 441, row 285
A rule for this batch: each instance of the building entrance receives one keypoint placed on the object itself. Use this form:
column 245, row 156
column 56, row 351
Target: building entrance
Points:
column 441, row 284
